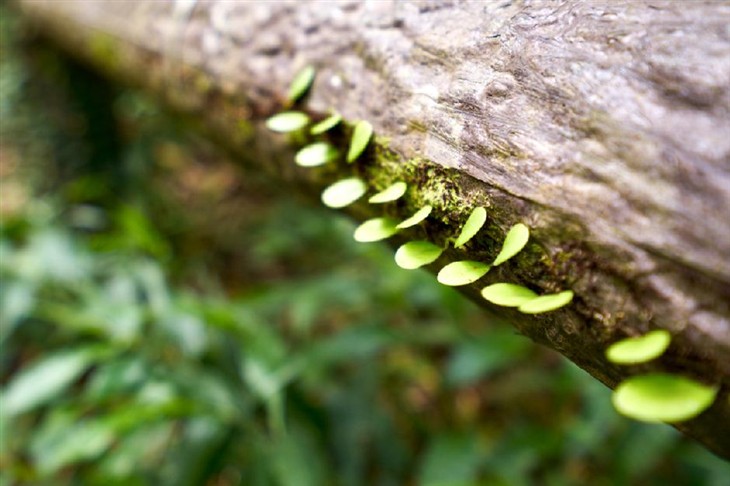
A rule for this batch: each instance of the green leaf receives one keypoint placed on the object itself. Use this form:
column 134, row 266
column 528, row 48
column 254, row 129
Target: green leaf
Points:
column 417, row 217
column 297, row 459
column 476, row 358
column 462, row 273
column 390, row 193
column 507, row 294
column 288, row 121
column 452, row 459
column 343, row 193
column 472, row 226
column 639, row 349
column 326, row 124
column 375, row 229
column 318, row 153
column 415, row 254
column 515, row 241
column 301, row 83
column 262, row 379
column 547, row 303
column 187, row 330
column 661, row 397
column 64, row 440
column 16, row 302
column 115, row 377
column 360, row 138
column 43, row 380
column 136, row 447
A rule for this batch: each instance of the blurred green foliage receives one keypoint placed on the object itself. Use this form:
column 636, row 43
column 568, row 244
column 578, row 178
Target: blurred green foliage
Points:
column 158, row 332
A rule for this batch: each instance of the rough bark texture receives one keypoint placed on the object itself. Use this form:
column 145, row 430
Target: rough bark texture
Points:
column 604, row 126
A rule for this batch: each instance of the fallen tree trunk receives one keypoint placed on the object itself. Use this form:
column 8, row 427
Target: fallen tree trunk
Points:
column 603, row 126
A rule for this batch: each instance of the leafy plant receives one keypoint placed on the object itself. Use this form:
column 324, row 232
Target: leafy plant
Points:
column 416, row 218
column 656, row 397
column 639, row 349
column 325, row 125
column 344, row 192
column 361, row 135
column 507, row 294
column 462, row 273
column 301, row 83
column 47, row 378
column 391, row 193
column 318, row 153
column 375, row 229
column 471, row 227
column 415, row 254
column 662, row 397
column 514, row 242
column 288, row 121
column 547, row 303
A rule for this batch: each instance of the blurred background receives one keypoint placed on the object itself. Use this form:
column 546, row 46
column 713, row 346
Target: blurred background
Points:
column 168, row 319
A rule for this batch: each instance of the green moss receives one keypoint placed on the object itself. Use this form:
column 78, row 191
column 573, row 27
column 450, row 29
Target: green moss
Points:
column 245, row 129
column 203, row 83
column 105, row 50
column 437, row 186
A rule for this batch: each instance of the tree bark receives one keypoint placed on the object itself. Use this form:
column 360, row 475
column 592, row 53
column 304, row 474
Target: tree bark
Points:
column 603, row 126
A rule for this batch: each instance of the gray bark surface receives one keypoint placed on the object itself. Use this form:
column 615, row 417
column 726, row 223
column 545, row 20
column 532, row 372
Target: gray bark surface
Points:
column 603, row 126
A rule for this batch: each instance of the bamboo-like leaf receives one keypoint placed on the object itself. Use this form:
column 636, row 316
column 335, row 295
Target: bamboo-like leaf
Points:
column 288, row 121
column 45, row 379
column 318, row 153
column 375, row 229
column 462, row 273
column 343, row 193
column 507, row 294
column 416, row 254
column 361, row 135
column 515, row 241
column 473, row 224
column 390, row 193
column 547, row 303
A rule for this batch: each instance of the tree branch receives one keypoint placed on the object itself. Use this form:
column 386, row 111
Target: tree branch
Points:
column 603, row 126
